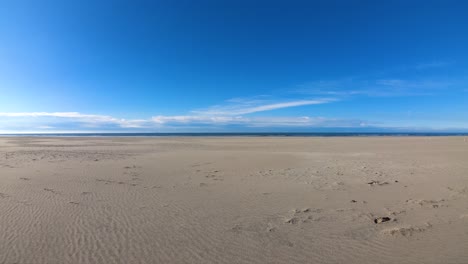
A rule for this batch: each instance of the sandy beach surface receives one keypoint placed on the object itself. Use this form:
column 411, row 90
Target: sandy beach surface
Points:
column 234, row 200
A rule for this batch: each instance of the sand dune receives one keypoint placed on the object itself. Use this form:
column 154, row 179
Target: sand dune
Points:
column 234, row 200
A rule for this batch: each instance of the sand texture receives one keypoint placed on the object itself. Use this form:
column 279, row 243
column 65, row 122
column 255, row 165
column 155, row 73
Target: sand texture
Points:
column 234, row 200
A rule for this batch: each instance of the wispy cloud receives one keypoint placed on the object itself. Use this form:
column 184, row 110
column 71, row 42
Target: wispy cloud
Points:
column 410, row 84
column 192, row 119
column 428, row 78
column 304, row 121
column 389, row 87
column 233, row 112
column 242, row 107
column 433, row 64
column 253, row 111
column 45, row 127
column 97, row 122
column 45, row 114
column 89, row 119
column 215, row 114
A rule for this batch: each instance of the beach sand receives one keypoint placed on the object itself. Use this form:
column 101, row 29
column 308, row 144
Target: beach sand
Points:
column 234, row 200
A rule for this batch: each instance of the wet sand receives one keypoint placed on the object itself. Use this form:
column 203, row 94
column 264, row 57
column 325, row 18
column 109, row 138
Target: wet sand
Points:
column 234, row 200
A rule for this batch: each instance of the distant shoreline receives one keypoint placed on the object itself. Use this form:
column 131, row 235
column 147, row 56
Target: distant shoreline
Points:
column 266, row 134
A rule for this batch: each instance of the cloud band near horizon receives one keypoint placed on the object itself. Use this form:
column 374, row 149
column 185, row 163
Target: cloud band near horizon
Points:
column 230, row 114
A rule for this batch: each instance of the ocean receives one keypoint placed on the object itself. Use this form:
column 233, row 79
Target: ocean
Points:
column 262, row 134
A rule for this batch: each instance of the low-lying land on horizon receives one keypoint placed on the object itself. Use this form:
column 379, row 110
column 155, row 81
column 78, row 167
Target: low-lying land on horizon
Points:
column 233, row 199
column 242, row 134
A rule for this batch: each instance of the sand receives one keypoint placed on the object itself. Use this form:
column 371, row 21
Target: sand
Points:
column 234, row 200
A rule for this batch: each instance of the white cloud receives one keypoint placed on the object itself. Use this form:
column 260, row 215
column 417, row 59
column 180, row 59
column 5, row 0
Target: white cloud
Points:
column 192, row 119
column 89, row 119
column 373, row 87
column 391, row 82
column 240, row 107
column 434, row 64
column 45, row 127
column 42, row 114
column 228, row 114
column 303, row 121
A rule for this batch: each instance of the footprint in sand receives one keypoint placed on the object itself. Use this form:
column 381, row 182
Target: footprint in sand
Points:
column 464, row 216
column 105, row 181
column 399, row 212
column 270, row 228
column 428, row 203
column 458, row 192
column 236, row 229
column 214, row 176
column 380, row 220
column 292, row 220
column 200, row 164
column 51, row 190
column 302, row 216
column 407, row 231
column 375, row 183
column 132, row 171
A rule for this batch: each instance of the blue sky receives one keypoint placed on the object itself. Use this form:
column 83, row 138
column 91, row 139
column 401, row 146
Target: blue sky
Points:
column 196, row 66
